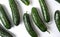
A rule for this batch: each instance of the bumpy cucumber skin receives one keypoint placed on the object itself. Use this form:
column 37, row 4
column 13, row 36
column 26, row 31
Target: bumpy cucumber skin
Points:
column 45, row 10
column 4, row 33
column 58, row 1
column 15, row 12
column 28, row 26
column 37, row 20
column 4, row 18
column 26, row 2
column 57, row 19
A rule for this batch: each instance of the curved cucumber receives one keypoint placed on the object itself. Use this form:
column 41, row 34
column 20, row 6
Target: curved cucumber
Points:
column 45, row 10
column 15, row 12
column 26, row 2
column 28, row 26
column 37, row 20
column 4, row 18
column 4, row 33
column 57, row 19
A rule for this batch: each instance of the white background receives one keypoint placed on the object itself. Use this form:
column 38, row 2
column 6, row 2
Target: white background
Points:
column 20, row 30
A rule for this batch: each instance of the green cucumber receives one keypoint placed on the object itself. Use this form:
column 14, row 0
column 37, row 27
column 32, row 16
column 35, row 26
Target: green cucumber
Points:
column 26, row 2
column 28, row 26
column 45, row 10
column 4, row 18
column 58, row 1
column 4, row 33
column 37, row 20
column 15, row 12
column 57, row 19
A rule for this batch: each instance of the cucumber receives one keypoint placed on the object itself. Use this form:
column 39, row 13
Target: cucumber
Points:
column 28, row 26
column 57, row 19
column 4, row 33
column 45, row 11
column 37, row 20
column 15, row 12
column 26, row 2
column 4, row 18
column 58, row 1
